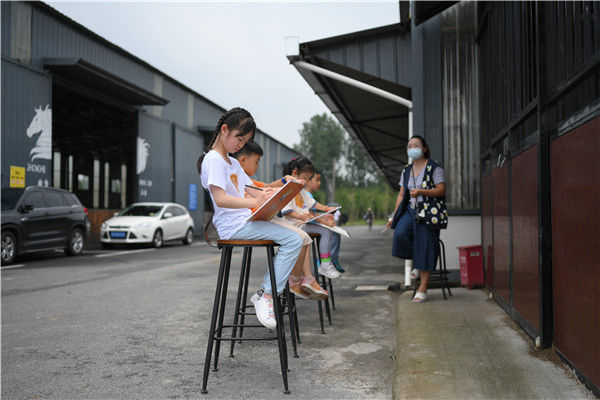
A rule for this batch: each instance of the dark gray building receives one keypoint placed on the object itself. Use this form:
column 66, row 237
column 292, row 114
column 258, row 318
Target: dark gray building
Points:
column 80, row 113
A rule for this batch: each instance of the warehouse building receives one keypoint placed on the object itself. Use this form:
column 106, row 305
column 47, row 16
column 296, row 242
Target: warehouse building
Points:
column 508, row 96
column 80, row 113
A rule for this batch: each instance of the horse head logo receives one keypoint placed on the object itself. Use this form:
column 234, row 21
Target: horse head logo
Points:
column 143, row 150
column 42, row 122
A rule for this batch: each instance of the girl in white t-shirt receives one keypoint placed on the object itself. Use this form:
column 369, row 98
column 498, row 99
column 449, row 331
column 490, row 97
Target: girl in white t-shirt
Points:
column 226, row 182
column 301, row 209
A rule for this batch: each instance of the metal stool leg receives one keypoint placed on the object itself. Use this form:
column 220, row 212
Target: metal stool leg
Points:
column 222, row 306
column 325, row 286
column 213, row 321
column 278, row 316
column 243, row 272
column 296, row 319
column 316, row 272
column 331, row 293
column 288, row 299
column 245, row 294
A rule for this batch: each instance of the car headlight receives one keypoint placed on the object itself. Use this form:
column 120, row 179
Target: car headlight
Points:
column 142, row 225
column 103, row 226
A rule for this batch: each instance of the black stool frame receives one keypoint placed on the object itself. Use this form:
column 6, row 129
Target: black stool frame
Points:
column 439, row 275
column 316, row 238
column 216, row 325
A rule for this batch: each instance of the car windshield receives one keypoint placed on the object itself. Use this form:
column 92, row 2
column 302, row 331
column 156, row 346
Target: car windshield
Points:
column 10, row 197
column 141, row 211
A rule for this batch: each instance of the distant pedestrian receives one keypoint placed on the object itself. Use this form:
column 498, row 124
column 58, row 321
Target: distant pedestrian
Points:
column 369, row 217
column 420, row 213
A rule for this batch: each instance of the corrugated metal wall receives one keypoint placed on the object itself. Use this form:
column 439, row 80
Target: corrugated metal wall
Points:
column 187, row 147
column 362, row 55
column 155, row 179
column 52, row 38
column 24, row 91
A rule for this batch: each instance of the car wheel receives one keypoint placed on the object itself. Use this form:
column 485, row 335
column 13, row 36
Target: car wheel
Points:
column 189, row 237
column 107, row 246
column 157, row 239
column 9, row 248
column 75, row 243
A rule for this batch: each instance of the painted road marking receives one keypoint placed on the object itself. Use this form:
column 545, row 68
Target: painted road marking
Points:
column 371, row 288
column 122, row 253
column 14, row 266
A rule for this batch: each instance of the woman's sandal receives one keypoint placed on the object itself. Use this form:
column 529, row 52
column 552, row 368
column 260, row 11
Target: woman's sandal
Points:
column 420, row 297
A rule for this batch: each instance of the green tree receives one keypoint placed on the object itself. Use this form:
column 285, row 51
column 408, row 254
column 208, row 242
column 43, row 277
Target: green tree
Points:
column 358, row 166
column 321, row 140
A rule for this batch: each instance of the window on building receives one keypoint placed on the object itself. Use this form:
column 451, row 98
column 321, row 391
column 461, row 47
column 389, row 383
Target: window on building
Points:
column 83, row 182
column 56, row 170
column 96, row 185
column 115, row 186
column 106, row 184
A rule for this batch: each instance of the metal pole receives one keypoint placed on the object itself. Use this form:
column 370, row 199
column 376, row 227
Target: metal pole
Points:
column 408, row 264
column 353, row 82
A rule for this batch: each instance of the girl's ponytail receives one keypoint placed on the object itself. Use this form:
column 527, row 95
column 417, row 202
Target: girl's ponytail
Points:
column 236, row 118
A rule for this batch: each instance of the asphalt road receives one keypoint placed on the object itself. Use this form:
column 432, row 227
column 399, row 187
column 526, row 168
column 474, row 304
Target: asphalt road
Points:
column 133, row 324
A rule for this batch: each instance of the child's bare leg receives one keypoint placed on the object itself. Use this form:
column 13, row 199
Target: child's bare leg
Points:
column 299, row 267
column 306, row 264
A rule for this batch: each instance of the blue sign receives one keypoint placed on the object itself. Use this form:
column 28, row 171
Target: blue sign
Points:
column 193, row 197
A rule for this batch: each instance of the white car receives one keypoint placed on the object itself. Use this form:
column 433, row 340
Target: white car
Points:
column 153, row 223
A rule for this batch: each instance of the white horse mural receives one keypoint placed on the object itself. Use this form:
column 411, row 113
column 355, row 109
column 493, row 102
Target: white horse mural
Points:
column 42, row 122
column 143, row 150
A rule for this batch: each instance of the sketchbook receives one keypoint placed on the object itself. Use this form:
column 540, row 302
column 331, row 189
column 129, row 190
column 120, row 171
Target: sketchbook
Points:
column 279, row 200
column 336, row 229
column 322, row 214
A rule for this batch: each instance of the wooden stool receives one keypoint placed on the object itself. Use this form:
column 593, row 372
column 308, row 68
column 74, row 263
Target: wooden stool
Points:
column 439, row 275
column 216, row 324
column 315, row 251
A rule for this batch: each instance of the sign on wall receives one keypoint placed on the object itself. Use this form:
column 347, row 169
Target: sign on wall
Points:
column 26, row 109
column 17, row 177
column 193, row 197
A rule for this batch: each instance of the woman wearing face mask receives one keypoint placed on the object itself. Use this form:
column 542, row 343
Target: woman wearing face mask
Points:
column 420, row 213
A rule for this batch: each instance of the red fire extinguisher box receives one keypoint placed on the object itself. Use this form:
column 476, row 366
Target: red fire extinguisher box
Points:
column 471, row 266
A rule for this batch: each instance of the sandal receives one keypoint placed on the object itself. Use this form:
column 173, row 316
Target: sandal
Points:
column 420, row 297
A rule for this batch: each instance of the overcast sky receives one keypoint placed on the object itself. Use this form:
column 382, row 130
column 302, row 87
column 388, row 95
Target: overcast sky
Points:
column 233, row 53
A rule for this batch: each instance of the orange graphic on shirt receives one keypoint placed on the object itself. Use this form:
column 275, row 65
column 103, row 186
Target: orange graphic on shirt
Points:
column 299, row 200
column 234, row 180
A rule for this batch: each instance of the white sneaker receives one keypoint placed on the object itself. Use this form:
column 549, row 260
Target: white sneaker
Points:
column 414, row 274
column 328, row 270
column 264, row 310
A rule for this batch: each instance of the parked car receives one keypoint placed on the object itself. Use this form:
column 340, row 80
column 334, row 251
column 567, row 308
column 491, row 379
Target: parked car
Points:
column 40, row 219
column 153, row 223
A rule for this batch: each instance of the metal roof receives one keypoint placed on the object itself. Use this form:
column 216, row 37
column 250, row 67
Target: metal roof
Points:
column 378, row 125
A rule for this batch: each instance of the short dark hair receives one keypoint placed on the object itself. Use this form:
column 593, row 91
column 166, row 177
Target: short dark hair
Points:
column 249, row 149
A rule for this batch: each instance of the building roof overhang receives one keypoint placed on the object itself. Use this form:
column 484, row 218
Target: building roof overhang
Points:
column 91, row 77
column 377, row 124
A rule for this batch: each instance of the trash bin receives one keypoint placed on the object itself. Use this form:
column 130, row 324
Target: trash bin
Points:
column 471, row 266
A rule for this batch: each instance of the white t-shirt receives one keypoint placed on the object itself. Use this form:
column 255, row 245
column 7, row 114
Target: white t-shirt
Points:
column 301, row 204
column 231, row 178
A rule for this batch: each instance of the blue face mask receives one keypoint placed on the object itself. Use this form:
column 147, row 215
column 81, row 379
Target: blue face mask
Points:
column 415, row 153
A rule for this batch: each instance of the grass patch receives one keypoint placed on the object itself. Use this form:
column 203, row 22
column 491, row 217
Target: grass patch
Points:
column 358, row 222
